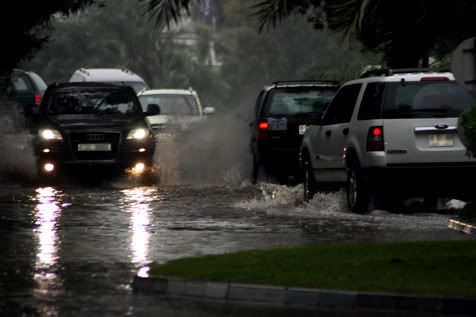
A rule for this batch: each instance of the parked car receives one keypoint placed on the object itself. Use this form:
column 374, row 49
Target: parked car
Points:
column 93, row 124
column 24, row 94
column 282, row 113
column 110, row 75
column 179, row 108
column 388, row 135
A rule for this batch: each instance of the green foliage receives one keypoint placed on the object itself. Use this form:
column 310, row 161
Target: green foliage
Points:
column 468, row 123
column 24, row 26
column 119, row 35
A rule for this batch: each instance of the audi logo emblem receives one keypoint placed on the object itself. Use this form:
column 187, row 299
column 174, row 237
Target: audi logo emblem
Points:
column 95, row 137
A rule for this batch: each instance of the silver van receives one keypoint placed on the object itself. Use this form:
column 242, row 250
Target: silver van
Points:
column 110, row 75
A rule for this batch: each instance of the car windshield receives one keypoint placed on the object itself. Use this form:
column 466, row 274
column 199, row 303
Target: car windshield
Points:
column 426, row 100
column 172, row 104
column 136, row 85
column 298, row 101
column 93, row 101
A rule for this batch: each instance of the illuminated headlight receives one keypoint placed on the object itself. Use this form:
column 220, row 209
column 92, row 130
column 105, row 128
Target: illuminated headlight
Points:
column 49, row 134
column 138, row 134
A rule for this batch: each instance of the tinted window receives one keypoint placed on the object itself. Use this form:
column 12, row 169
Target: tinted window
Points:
column 341, row 108
column 172, row 104
column 371, row 104
column 93, row 101
column 286, row 101
column 426, row 100
column 258, row 101
column 21, row 84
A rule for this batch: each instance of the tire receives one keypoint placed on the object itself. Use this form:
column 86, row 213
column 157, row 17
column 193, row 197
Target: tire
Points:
column 310, row 184
column 357, row 190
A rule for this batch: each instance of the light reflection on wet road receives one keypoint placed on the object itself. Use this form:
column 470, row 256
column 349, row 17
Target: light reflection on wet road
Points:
column 72, row 250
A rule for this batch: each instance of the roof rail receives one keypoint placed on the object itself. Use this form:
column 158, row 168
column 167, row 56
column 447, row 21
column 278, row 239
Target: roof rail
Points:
column 304, row 82
column 390, row 72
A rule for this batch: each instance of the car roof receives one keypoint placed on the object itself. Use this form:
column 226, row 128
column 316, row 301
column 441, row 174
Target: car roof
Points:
column 302, row 84
column 87, row 84
column 396, row 75
column 110, row 74
column 167, row 92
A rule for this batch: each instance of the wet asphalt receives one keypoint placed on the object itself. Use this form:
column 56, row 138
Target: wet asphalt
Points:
column 72, row 249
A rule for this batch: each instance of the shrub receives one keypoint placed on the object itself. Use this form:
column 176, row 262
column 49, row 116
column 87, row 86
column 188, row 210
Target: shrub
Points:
column 467, row 125
column 468, row 212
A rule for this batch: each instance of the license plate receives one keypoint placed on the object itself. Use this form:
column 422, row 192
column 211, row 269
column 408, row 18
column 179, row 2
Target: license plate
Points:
column 94, row 147
column 302, row 129
column 441, row 140
column 278, row 124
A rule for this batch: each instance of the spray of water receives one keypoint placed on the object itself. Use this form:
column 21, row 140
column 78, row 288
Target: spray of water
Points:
column 17, row 158
column 213, row 151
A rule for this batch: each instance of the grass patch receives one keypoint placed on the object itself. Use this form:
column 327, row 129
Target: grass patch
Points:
column 425, row 267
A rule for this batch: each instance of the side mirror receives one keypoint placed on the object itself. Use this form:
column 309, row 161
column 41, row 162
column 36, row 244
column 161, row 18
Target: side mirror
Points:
column 152, row 110
column 208, row 110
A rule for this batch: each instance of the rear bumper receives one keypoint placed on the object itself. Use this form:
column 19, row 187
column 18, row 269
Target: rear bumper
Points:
column 286, row 158
column 437, row 179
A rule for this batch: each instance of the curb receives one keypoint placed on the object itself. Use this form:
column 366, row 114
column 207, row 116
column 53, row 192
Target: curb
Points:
column 305, row 297
column 462, row 227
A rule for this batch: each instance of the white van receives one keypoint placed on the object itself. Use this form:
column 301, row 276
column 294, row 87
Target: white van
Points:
column 110, row 75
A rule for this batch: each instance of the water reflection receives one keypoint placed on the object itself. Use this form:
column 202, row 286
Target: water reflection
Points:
column 137, row 202
column 47, row 214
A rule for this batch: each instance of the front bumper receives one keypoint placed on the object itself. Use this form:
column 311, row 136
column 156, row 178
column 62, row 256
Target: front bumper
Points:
column 124, row 154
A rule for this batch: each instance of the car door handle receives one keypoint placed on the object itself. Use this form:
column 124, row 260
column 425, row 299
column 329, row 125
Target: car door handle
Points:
column 328, row 133
column 345, row 131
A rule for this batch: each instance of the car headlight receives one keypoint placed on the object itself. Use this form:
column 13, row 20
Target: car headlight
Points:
column 50, row 134
column 138, row 134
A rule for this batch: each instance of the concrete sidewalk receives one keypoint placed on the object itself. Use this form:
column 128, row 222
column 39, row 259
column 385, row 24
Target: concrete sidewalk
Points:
column 306, row 297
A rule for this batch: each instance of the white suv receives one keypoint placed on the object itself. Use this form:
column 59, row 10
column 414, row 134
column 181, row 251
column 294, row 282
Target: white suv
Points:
column 389, row 135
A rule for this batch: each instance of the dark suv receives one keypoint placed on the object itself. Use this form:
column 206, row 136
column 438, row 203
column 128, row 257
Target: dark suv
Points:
column 93, row 124
column 282, row 113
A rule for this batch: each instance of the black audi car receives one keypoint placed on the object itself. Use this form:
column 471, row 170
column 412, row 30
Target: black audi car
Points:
column 93, row 124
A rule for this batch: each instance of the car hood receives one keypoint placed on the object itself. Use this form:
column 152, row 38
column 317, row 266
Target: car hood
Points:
column 88, row 122
column 169, row 120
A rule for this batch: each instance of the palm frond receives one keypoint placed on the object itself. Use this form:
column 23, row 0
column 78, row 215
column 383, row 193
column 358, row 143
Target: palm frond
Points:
column 270, row 12
column 166, row 11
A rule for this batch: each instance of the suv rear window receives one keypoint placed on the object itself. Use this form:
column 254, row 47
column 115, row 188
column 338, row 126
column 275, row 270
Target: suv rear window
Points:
column 426, row 100
column 295, row 101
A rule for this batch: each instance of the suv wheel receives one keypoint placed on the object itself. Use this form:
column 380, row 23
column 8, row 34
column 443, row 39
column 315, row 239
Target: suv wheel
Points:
column 310, row 184
column 357, row 190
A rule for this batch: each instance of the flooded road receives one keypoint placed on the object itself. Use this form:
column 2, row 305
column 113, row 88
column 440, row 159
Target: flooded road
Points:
column 73, row 250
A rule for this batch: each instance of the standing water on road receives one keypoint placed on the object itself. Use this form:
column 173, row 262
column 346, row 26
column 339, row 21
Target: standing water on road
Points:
column 74, row 249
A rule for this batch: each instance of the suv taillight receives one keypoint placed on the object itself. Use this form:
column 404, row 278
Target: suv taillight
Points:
column 37, row 98
column 263, row 127
column 375, row 141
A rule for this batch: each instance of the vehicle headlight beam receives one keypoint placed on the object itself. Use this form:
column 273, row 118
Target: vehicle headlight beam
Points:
column 138, row 134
